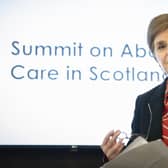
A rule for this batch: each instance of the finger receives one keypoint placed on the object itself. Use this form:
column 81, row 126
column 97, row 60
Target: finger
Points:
column 110, row 142
column 113, row 139
column 107, row 137
column 116, row 153
column 115, row 135
column 115, row 150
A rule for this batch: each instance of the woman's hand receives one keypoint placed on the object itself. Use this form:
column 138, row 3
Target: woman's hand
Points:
column 111, row 146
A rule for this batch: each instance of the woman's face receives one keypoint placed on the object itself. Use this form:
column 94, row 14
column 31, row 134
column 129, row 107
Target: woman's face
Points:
column 161, row 49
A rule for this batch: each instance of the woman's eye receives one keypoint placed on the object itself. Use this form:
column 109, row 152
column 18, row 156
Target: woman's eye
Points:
column 161, row 46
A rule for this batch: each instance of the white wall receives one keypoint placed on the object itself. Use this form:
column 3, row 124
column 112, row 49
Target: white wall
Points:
column 55, row 109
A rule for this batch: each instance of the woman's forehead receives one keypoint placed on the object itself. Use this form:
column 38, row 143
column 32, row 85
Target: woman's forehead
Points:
column 161, row 37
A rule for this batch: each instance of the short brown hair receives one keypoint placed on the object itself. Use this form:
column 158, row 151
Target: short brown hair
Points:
column 157, row 25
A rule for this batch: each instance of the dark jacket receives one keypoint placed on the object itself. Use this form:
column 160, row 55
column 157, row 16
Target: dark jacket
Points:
column 147, row 119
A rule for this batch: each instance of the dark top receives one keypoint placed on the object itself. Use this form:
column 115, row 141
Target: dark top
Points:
column 147, row 120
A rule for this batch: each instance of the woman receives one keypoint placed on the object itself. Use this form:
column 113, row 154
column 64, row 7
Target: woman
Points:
column 151, row 114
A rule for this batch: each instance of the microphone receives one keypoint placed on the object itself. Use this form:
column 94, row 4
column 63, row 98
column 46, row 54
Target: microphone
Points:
column 150, row 122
